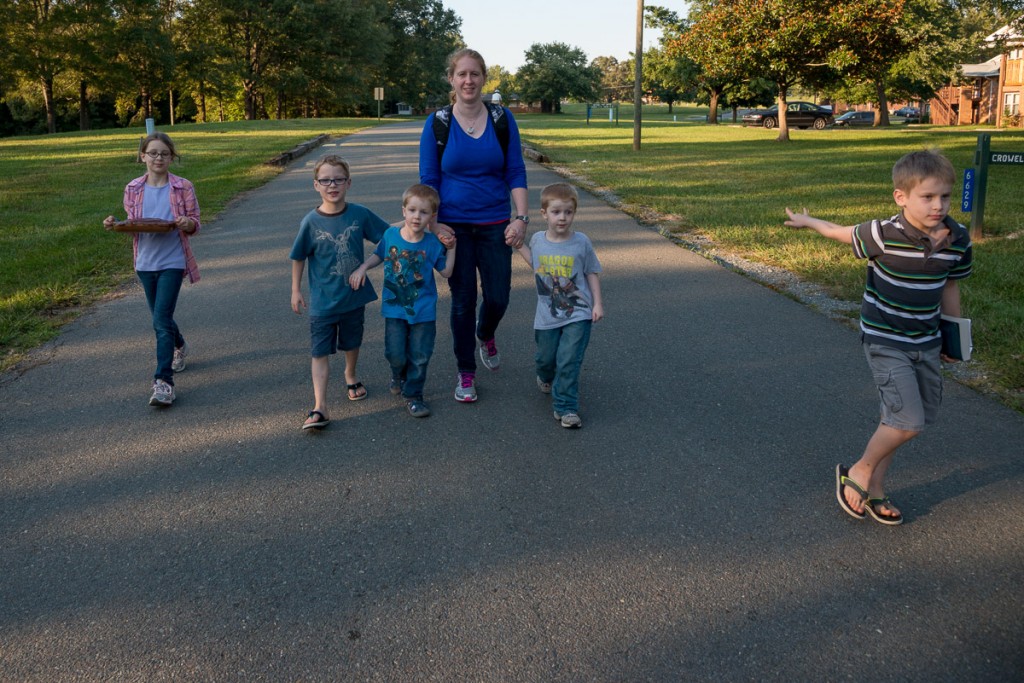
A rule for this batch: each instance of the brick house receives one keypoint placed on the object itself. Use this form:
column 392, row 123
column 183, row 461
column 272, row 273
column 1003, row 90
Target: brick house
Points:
column 988, row 92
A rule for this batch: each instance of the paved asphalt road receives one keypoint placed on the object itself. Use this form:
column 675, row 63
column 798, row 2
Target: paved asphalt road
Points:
column 688, row 532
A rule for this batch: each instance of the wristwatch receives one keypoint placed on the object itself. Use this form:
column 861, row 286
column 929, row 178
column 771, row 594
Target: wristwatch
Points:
column 525, row 219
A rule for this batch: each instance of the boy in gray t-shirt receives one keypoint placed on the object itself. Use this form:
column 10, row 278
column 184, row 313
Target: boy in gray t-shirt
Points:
column 566, row 269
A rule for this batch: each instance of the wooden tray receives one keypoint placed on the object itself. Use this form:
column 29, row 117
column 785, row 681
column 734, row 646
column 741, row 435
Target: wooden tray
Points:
column 143, row 225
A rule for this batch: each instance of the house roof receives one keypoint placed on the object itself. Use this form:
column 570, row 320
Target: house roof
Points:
column 989, row 69
column 1007, row 33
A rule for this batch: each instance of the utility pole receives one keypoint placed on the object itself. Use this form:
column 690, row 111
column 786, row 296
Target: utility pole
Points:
column 637, row 79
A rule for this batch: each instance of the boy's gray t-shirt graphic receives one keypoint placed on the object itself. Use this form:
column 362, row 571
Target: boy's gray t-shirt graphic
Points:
column 560, row 270
column 332, row 246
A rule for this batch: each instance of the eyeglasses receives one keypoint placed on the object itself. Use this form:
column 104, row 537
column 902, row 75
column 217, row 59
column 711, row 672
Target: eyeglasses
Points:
column 331, row 182
column 159, row 155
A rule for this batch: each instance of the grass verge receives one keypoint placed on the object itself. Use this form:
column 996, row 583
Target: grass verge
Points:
column 730, row 185
column 55, row 191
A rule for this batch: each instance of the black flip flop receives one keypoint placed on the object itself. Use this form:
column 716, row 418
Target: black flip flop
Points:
column 872, row 509
column 843, row 480
column 321, row 422
column 355, row 388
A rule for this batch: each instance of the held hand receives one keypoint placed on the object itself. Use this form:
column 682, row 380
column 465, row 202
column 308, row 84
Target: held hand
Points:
column 447, row 239
column 108, row 222
column 298, row 303
column 515, row 234
column 185, row 224
column 441, row 230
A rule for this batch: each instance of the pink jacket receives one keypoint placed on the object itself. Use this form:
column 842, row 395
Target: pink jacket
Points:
column 183, row 203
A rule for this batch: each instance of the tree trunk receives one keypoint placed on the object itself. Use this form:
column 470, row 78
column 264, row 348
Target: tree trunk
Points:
column 51, row 115
column 202, row 101
column 250, row 100
column 713, row 113
column 170, row 106
column 882, row 114
column 783, row 124
column 83, row 106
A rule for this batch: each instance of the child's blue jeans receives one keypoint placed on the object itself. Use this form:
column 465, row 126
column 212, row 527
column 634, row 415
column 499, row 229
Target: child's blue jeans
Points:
column 559, row 357
column 162, row 288
column 408, row 347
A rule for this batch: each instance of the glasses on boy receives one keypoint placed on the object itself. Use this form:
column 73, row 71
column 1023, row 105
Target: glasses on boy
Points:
column 331, row 182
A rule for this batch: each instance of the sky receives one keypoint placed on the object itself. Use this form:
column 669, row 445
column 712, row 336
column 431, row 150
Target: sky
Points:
column 503, row 30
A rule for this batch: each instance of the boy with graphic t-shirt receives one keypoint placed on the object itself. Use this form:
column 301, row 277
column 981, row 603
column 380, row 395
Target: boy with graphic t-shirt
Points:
column 410, row 255
column 566, row 271
column 331, row 239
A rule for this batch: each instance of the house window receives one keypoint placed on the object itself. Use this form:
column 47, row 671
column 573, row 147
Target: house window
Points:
column 1011, row 103
column 1016, row 53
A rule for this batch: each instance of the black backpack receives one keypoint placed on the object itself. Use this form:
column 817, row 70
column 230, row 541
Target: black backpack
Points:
column 443, row 124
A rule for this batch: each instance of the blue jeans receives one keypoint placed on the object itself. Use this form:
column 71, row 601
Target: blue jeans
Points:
column 481, row 248
column 559, row 357
column 162, row 288
column 408, row 347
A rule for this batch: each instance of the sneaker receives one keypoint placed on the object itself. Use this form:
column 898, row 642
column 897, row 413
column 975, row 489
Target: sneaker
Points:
column 178, row 362
column 569, row 419
column 396, row 387
column 163, row 394
column 465, row 390
column 545, row 387
column 417, row 408
column 489, row 355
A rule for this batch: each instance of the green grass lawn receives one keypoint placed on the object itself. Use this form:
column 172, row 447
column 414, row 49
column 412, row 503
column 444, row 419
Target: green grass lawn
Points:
column 55, row 191
column 728, row 183
column 731, row 184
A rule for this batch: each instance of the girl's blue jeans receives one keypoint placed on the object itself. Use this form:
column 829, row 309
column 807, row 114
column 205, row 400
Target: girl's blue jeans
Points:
column 162, row 288
column 559, row 357
column 408, row 348
column 482, row 249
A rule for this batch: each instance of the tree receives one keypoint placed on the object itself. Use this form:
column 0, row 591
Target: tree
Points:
column 616, row 78
column 554, row 71
column 708, row 45
column 498, row 79
column 422, row 35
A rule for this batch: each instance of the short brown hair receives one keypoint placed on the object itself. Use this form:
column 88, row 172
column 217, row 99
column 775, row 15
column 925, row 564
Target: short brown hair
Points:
column 162, row 137
column 331, row 160
column 559, row 191
column 914, row 167
column 424, row 192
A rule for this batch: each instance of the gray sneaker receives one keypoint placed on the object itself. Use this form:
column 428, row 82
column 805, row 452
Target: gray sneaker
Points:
column 178, row 362
column 569, row 419
column 417, row 408
column 545, row 387
column 489, row 356
column 465, row 390
column 163, row 394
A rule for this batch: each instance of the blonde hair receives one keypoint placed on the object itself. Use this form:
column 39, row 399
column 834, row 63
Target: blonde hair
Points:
column 161, row 137
column 331, row 160
column 559, row 192
column 914, row 167
column 424, row 192
column 453, row 59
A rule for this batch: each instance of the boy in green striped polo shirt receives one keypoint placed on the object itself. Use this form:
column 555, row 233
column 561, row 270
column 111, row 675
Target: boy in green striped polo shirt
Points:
column 915, row 261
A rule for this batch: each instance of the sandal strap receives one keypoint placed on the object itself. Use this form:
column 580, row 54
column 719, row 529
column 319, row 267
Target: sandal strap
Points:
column 846, row 481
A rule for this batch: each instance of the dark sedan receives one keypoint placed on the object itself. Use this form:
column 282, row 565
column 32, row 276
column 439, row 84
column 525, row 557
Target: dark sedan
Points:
column 855, row 119
column 798, row 115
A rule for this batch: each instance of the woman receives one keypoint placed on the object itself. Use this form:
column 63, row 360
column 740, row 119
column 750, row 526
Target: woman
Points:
column 470, row 153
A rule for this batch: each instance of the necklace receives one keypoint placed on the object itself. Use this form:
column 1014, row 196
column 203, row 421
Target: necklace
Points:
column 472, row 122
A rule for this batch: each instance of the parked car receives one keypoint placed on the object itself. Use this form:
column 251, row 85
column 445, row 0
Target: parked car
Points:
column 798, row 114
column 908, row 112
column 855, row 119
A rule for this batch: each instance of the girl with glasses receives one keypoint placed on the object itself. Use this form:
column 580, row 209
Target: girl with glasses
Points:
column 162, row 258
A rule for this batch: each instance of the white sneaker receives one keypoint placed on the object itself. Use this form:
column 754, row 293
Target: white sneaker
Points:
column 163, row 394
column 569, row 419
column 178, row 362
column 489, row 356
column 465, row 390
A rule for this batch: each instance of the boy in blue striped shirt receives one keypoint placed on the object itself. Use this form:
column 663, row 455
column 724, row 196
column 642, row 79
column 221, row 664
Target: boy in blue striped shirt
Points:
column 915, row 261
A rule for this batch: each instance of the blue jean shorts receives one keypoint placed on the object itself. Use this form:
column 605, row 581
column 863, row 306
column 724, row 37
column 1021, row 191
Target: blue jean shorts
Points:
column 330, row 333
column 909, row 385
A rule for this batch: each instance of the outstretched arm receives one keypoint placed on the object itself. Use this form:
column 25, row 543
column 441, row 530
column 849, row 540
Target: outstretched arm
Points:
column 827, row 229
column 358, row 276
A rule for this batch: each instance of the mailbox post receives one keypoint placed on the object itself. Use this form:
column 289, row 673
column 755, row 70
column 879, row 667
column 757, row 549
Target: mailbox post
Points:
column 983, row 158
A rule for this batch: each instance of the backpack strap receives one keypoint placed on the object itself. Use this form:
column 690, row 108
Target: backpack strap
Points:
column 443, row 126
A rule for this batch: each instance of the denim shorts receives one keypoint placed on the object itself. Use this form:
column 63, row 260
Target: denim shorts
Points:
column 909, row 385
column 330, row 333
